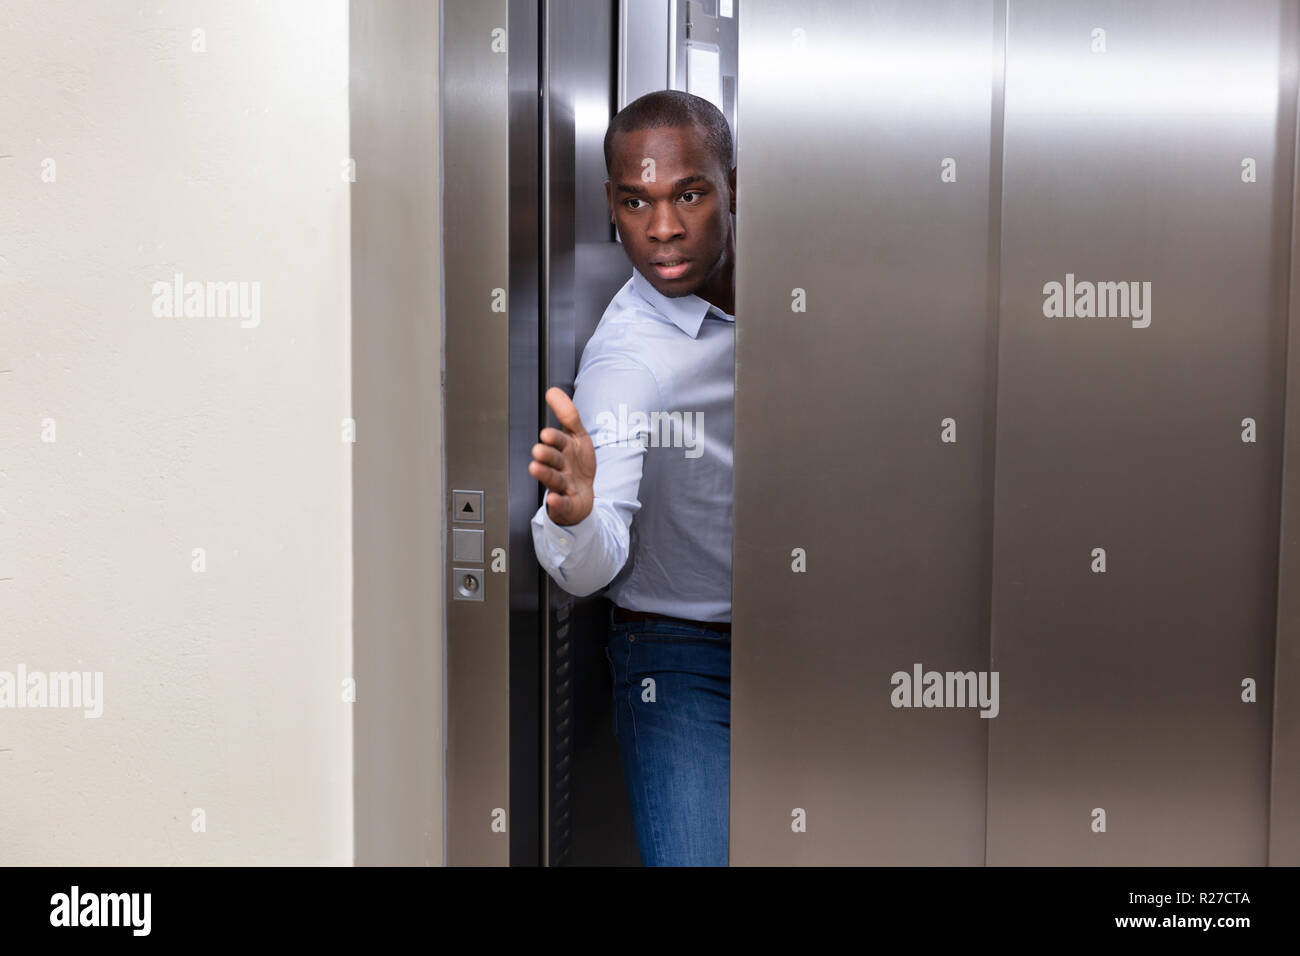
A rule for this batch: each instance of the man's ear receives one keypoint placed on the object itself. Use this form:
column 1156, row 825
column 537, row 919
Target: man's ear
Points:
column 731, row 181
column 609, row 201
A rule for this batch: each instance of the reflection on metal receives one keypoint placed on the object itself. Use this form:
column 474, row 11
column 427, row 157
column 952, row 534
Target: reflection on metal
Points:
column 698, row 52
column 1284, row 779
column 703, row 54
column 1124, row 738
column 863, row 321
column 643, row 48
column 900, row 228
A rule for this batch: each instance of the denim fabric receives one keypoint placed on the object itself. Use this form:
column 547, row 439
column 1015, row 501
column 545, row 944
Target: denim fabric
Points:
column 672, row 717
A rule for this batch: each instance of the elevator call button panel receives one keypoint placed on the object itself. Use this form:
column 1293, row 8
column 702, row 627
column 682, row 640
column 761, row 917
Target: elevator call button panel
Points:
column 467, row 545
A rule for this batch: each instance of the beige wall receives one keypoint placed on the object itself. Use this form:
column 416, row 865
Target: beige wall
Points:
column 222, row 690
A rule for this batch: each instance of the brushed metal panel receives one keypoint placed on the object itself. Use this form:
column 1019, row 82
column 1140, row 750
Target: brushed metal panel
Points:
column 1122, row 690
column 397, row 509
column 475, row 122
column 1284, row 779
column 848, row 111
column 642, row 49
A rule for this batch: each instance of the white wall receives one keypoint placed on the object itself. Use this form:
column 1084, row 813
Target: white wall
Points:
column 222, row 689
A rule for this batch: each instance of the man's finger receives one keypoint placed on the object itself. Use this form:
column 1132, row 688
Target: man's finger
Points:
column 548, row 476
column 548, row 456
column 554, row 437
column 565, row 410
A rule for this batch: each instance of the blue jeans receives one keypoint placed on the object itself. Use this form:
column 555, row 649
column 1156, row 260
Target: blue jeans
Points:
column 672, row 717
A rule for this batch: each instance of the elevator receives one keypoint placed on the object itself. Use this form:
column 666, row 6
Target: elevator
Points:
column 1016, row 562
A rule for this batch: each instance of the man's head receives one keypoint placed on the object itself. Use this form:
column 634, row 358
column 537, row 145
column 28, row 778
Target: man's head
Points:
column 672, row 190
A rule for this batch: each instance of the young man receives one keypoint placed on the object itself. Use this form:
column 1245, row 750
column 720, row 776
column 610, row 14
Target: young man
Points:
column 644, row 504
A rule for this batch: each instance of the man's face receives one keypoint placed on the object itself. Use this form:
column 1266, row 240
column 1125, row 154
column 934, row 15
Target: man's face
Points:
column 674, row 213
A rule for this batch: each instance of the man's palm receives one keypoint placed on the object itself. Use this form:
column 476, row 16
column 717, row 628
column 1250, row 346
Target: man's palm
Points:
column 565, row 462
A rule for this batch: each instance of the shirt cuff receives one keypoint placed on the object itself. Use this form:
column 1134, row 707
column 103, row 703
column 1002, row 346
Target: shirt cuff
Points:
column 567, row 538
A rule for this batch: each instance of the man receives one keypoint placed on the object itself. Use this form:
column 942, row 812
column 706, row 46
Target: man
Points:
column 644, row 506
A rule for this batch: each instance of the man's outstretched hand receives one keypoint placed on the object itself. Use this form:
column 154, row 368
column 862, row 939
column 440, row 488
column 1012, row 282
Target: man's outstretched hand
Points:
column 565, row 462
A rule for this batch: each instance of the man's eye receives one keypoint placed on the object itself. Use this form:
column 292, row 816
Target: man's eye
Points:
column 684, row 195
column 625, row 203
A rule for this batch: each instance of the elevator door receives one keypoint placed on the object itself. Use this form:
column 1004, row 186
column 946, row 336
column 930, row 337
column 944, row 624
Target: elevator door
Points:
column 1012, row 314
column 1148, row 150
column 862, row 478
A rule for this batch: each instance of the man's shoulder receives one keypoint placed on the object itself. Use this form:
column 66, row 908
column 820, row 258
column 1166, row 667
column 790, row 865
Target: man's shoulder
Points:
column 627, row 339
column 630, row 324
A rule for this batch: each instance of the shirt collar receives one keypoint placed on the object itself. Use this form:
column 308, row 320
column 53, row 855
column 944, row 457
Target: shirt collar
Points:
column 687, row 312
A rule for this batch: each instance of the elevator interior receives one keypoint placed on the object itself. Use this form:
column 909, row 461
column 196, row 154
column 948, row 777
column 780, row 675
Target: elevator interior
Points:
column 1016, row 315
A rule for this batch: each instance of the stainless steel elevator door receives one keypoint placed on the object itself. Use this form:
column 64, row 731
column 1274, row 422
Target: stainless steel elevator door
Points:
column 863, row 330
column 1131, row 133
column 947, row 464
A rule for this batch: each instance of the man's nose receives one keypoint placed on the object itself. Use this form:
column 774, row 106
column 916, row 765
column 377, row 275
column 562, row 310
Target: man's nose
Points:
column 665, row 224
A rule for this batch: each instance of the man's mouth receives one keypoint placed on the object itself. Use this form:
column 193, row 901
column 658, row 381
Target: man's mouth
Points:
column 671, row 267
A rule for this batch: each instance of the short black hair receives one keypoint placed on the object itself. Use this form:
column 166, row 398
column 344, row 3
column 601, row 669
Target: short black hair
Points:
column 673, row 108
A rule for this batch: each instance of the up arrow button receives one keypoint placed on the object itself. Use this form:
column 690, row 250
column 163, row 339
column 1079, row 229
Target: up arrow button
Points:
column 467, row 506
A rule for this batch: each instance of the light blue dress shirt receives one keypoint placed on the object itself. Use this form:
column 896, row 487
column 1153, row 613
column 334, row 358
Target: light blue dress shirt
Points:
column 656, row 391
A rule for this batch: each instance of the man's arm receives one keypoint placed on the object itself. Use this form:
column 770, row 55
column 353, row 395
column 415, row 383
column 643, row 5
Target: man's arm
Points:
column 585, row 556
